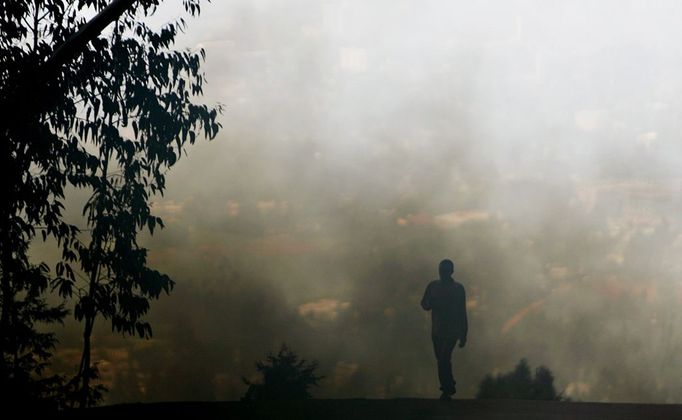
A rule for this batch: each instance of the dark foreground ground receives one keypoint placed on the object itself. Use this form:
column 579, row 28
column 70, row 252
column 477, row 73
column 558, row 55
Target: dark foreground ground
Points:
column 360, row 409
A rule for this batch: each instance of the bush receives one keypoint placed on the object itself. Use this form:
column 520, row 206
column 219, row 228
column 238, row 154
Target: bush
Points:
column 520, row 384
column 285, row 377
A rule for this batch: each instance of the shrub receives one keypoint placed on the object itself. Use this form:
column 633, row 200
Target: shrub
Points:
column 285, row 377
column 520, row 384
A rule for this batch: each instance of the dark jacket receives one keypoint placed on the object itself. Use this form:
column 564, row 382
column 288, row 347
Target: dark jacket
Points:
column 446, row 300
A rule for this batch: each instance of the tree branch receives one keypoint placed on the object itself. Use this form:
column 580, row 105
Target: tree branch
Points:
column 21, row 98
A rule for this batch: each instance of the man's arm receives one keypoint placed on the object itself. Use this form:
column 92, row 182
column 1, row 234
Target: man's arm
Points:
column 426, row 300
column 465, row 321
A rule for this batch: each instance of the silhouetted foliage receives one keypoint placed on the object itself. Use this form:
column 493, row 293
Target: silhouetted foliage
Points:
column 27, row 350
column 112, row 118
column 520, row 384
column 285, row 377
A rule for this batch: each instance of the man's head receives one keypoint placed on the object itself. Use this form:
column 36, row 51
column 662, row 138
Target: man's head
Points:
column 446, row 268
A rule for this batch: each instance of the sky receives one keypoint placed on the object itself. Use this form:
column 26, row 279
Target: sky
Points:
column 534, row 143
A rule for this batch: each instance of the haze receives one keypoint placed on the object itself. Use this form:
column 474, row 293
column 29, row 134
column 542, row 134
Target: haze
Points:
column 535, row 143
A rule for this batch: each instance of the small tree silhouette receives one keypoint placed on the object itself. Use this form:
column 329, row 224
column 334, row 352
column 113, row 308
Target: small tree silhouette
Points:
column 285, row 377
column 520, row 384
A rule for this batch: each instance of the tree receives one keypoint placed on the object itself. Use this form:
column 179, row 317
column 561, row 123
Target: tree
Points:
column 285, row 377
column 33, row 159
column 27, row 354
column 115, row 111
column 520, row 384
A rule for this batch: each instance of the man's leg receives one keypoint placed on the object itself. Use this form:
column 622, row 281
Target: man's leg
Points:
column 449, row 347
column 442, row 348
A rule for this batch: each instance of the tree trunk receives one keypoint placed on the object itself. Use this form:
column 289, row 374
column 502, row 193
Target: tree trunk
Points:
column 6, row 335
column 84, row 370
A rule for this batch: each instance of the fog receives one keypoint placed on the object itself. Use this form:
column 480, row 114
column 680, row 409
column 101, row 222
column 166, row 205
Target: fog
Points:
column 534, row 143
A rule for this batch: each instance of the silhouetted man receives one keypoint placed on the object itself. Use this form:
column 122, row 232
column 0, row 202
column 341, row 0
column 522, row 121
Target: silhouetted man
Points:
column 446, row 300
